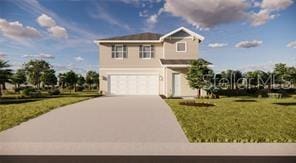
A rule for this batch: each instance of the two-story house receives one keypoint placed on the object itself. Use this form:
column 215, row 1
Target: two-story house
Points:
column 148, row 63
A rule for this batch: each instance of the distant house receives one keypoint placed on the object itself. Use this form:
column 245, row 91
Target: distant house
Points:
column 148, row 63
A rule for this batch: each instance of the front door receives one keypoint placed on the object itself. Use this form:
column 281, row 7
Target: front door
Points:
column 176, row 85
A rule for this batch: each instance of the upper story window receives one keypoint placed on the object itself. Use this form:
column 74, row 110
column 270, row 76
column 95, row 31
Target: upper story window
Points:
column 181, row 47
column 119, row 51
column 146, row 51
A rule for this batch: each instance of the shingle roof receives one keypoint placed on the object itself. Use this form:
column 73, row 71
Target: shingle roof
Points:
column 180, row 61
column 140, row 36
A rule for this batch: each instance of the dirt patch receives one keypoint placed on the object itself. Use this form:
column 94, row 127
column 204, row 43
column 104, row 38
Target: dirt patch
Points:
column 245, row 100
column 286, row 103
column 194, row 103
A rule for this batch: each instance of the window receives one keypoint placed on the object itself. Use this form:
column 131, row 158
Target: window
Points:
column 181, row 47
column 119, row 51
column 146, row 51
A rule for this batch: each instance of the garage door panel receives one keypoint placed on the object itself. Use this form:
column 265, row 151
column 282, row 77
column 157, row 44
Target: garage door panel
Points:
column 134, row 84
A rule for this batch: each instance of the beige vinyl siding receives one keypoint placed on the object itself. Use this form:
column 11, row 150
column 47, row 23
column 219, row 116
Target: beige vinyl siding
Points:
column 191, row 49
column 133, row 60
column 185, row 88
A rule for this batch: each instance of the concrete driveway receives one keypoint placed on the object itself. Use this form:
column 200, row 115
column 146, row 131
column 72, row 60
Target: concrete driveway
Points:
column 104, row 119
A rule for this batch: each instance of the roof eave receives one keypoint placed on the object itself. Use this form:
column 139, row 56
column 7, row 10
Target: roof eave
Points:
column 161, row 39
column 176, row 65
column 127, row 41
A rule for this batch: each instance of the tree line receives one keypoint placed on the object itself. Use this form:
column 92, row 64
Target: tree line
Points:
column 41, row 74
column 201, row 76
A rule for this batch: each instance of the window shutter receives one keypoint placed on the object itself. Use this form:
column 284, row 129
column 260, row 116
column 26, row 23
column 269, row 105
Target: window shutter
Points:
column 124, row 51
column 152, row 51
column 113, row 51
column 141, row 51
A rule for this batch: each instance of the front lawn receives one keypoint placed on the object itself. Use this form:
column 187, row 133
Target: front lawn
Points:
column 238, row 120
column 15, row 111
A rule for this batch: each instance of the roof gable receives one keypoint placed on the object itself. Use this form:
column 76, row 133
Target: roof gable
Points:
column 184, row 30
column 180, row 34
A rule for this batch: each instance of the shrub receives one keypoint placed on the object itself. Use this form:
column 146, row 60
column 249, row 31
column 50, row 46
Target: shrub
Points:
column 27, row 91
column 243, row 92
column 262, row 93
column 35, row 94
column 19, row 89
column 275, row 95
column 79, row 88
column 31, row 92
column 54, row 92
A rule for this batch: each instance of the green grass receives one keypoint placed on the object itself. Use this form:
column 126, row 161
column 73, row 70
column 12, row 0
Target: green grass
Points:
column 15, row 111
column 238, row 120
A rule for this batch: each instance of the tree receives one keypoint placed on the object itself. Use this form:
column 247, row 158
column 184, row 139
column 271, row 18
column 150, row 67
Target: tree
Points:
column 62, row 77
column 80, row 80
column 251, row 78
column 92, row 78
column 49, row 78
column 236, row 76
column 199, row 75
column 232, row 77
column 257, row 78
column 5, row 74
column 292, row 75
column 227, row 78
column 71, row 79
column 19, row 77
column 35, row 69
column 281, row 73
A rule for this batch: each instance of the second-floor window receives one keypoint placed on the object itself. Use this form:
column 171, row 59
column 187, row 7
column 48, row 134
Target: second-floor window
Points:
column 146, row 51
column 181, row 47
column 119, row 51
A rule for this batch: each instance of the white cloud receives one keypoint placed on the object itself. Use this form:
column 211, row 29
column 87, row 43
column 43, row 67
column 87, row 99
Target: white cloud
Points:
column 55, row 30
column 17, row 31
column 269, row 10
column 153, row 19
column 205, row 14
column 267, row 67
column 46, row 56
column 137, row 2
column 39, row 56
column 58, row 32
column 143, row 13
column 2, row 55
column 261, row 17
column 291, row 44
column 208, row 13
column 79, row 59
column 35, row 8
column 130, row 1
column 248, row 44
column 80, row 69
column 217, row 45
column 102, row 14
column 276, row 4
column 256, row 3
column 45, row 21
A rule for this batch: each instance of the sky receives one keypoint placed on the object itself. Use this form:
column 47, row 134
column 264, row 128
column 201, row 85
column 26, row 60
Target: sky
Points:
column 239, row 34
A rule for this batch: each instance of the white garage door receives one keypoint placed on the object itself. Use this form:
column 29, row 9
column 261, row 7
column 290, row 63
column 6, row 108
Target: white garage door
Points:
column 133, row 84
